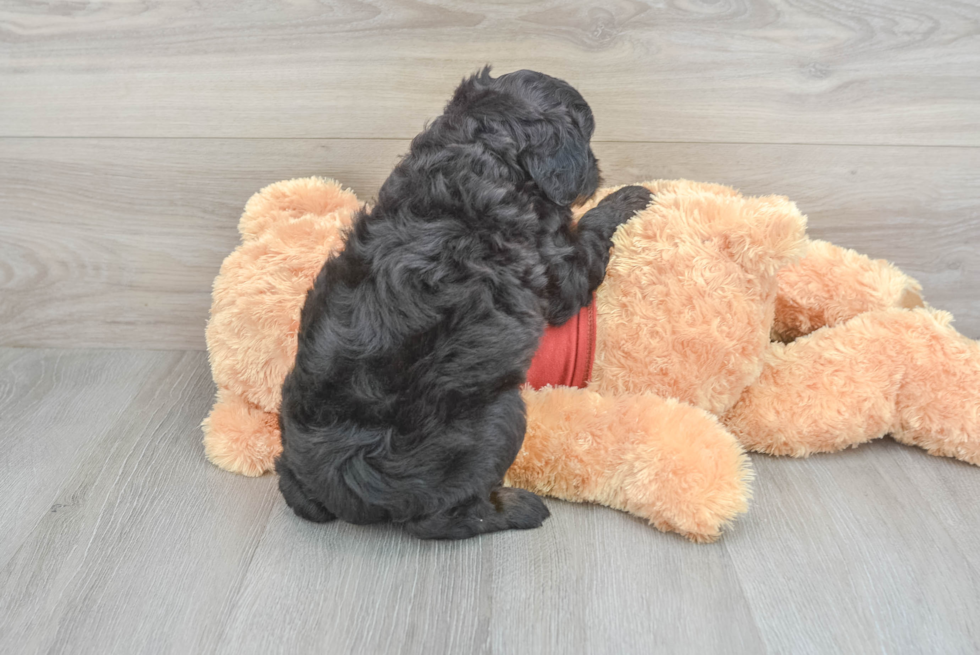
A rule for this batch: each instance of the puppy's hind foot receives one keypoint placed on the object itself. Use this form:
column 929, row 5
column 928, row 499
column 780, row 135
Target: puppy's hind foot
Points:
column 520, row 509
column 303, row 506
column 506, row 509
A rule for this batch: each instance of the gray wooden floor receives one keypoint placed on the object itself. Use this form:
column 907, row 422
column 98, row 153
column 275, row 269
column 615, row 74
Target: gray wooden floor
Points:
column 131, row 135
column 119, row 538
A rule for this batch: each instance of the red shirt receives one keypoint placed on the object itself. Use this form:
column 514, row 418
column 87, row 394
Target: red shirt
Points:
column 565, row 354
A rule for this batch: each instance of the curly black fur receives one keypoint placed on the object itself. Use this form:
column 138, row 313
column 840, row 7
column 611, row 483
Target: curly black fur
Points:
column 404, row 402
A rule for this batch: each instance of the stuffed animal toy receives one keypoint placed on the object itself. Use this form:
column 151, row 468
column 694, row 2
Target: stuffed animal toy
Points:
column 718, row 328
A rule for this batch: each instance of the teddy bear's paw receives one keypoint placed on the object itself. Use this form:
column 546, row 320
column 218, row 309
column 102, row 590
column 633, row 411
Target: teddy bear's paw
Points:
column 939, row 399
column 964, row 446
column 241, row 438
column 286, row 201
column 686, row 473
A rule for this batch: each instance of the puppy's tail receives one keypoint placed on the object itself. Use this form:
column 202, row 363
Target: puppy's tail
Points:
column 387, row 487
column 382, row 491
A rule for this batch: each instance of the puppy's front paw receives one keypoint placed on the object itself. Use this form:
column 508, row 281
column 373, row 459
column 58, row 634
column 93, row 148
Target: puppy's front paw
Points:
column 522, row 509
column 629, row 199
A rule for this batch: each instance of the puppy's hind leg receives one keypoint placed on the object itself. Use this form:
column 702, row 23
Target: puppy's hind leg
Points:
column 296, row 498
column 506, row 509
column 491, row 507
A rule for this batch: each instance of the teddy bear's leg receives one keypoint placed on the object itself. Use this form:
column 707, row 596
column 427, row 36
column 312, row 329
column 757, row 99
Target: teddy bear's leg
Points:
column 830, row 285
column 899, row 372
column 239, row 437
column 667, row 462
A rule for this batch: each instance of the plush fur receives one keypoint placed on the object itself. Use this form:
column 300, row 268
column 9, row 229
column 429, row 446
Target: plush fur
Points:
column 685, row 375
column 404, row 402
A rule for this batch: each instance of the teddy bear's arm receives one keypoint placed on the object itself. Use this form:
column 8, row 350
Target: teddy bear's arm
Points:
column 581, row 254
column 239, row 437
column 830, row 285
column 662, row 460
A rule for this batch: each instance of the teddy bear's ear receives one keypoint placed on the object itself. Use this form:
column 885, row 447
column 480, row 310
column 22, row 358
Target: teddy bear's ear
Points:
column 283, row 202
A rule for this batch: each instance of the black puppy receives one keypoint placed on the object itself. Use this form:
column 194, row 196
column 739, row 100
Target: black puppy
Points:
column 404, row 401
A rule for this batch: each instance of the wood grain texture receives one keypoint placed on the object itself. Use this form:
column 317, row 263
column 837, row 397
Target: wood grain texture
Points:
column 54, row 406
column 142, row 546
column 145, row 544
column 759, row 71
column 132, row 134
column 115, row 242
column 594, row 581
column 868, row 550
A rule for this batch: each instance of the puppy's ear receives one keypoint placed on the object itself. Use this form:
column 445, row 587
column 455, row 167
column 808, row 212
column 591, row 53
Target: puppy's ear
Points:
column 561, row 171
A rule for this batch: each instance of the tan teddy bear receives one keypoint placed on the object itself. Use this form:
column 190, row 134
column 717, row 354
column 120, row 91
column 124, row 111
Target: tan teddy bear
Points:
column 681, row 369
